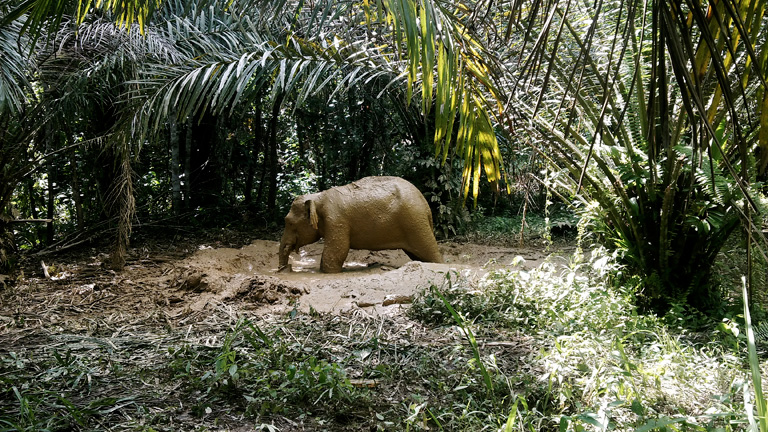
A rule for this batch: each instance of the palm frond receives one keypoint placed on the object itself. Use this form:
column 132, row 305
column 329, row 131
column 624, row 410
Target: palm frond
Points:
column 46, row 16
column 14, row 67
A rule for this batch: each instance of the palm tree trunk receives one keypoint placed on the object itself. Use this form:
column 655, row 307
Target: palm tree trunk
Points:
column 273, row 145
column 76, row 191
column 124, row 200
column 175, row 168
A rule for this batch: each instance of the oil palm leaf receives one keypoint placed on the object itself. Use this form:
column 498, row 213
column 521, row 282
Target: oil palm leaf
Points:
column 14, row 67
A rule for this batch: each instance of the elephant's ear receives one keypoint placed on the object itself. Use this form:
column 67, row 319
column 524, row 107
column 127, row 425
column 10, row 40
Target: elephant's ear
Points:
column 312, row 211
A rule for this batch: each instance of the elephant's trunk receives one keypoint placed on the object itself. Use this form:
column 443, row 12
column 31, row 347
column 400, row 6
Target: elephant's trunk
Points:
column 284, row 253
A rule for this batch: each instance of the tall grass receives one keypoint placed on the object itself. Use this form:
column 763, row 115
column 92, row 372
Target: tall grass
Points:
column 754, row 366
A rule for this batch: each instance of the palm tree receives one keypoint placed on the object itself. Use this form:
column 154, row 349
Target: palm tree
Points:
column 647, row 109
column 298, row 49
column 15, row 118
column 87, row 69
column 81, row 70
column 13, row 67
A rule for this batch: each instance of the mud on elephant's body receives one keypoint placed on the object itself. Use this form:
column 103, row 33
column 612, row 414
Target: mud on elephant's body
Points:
column 373, row 213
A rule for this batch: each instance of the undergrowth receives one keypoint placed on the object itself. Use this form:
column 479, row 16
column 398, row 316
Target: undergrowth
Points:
column 515, row 230
column 598, row 363
column 558, row 348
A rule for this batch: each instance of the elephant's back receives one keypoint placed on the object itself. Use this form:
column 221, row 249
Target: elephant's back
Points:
column 379, row 196
column 384, row 212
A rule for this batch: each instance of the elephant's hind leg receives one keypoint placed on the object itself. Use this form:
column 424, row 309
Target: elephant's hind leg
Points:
column 428, row 252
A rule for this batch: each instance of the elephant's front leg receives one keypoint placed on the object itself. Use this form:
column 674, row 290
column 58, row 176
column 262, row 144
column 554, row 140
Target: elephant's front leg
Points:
column 334, row 253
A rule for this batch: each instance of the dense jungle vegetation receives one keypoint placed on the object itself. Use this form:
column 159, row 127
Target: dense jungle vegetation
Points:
column 645, row 120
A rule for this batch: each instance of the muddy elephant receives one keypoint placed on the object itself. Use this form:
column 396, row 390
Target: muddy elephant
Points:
column 373, row 213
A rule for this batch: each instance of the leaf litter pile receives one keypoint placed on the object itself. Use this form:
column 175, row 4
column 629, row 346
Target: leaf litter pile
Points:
column 194, row 336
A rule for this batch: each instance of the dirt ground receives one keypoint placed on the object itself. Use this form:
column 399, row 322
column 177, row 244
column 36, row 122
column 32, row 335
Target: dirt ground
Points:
column 187, row 294
column 245, row 278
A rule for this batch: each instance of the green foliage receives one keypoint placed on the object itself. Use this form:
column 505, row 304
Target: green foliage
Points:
column 553, row 348
column 262, row 374
column 53, row 393
column 603, row 365
column 671, row 243
column 439, row 186
column 514, row 230
column 461, row 322
column 642, row 158
column 529, row 300
column 756, row 375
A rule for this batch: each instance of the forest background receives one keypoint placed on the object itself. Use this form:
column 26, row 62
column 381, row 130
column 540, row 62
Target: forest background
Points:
column 648, row 120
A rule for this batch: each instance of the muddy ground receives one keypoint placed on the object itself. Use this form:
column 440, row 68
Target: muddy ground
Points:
column 246, row 278
column 125, row 331
column 380, row 280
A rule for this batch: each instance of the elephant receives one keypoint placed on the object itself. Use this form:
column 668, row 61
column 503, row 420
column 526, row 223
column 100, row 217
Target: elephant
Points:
column 373, row 213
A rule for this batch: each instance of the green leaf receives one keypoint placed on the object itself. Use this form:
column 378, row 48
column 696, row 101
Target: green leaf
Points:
column 659, row 423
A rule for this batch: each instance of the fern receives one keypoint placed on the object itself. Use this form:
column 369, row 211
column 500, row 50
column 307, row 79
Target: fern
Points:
column 761, row 332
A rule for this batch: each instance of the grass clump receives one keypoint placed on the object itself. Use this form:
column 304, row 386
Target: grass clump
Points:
column 261, row 375
column 58, row 391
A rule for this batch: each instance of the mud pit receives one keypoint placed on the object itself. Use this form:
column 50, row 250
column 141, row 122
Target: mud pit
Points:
column 380, row 280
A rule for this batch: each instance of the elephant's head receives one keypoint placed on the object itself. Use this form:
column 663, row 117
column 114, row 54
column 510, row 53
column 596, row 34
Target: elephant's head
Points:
column 300, row 227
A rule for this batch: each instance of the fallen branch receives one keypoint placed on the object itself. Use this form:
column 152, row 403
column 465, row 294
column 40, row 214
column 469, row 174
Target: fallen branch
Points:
column 45, row 270
column 30, row 221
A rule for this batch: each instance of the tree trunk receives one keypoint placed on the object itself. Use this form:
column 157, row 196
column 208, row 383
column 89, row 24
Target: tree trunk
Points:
column 76, row 197
column 30, row 183
column 354, row 150
column 322, row 178
column 188, row 166
column 262, row 179
column 49, row 231
column 272, row 191
column 122, row 191
column 254, row 156
column 368, row 137
column 306, row 135
column 230, row 167
column 175, row 168
column 206, row 177
column 8, row 248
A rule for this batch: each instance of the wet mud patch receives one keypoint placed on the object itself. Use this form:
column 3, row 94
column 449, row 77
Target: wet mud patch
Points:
column 173, row 290
column 382, row 280
column 270, row 290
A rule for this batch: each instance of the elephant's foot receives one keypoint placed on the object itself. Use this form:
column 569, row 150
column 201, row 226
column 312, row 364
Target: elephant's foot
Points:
column 432, row 255
column 328, row 268
column 333, row 258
